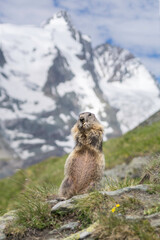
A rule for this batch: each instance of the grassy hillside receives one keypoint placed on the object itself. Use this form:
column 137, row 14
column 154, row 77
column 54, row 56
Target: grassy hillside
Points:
column 141, row 141
column 138, row 142
column 46, row 173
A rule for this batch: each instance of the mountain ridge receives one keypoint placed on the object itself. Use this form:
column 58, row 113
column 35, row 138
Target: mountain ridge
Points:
column 50, row 74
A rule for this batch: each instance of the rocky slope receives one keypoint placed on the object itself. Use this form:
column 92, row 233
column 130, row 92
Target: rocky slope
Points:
column 154, row 118
column 51, row 73
column 115, row 212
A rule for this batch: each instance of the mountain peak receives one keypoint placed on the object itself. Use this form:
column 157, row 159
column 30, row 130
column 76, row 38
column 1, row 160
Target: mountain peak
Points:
column 53, row 73
column 59, row 15
column 62, row 13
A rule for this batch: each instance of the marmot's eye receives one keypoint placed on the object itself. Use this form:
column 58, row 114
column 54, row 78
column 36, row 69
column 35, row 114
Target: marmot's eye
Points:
column 89, row 114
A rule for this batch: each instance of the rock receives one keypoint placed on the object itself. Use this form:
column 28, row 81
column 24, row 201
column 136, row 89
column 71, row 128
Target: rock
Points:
column 52, row 202
column 154, row 219
column 63, row 206
column 54, row 231
column 70, row 226
column 85, row 233
column 133, row 217
column 118, row 192
column 117, row 172
column 2, row 236
column 133, row 170
column 153, row 216
column 67, row 204
column 4, row 220
column 136, row 166
column 8, row 216
column 2, row 226
column 155, row 223
column 51, row 238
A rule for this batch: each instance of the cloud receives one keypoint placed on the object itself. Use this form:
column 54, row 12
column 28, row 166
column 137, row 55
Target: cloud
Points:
column 153, row 64
column 131, row 24
column 26, row 11
column 134, row 25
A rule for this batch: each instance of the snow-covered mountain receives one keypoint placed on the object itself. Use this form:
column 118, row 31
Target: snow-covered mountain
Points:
column 49, row 74
column 127, row 85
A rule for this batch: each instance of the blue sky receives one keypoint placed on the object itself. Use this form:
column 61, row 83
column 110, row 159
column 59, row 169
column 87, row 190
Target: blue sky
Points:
column 131, row 24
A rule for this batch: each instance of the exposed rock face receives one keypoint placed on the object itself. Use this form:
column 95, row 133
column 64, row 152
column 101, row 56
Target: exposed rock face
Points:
column 48, row 79
column 4, row 220
column 58, row 73
column 2, row 59
column 154, row 118
column 116, row 62
column 132, row 170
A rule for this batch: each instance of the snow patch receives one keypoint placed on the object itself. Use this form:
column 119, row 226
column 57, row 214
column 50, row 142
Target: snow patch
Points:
column 64, row 117
column 47, row 148
column 86, row 37
column 26, row 154
column 67, row 145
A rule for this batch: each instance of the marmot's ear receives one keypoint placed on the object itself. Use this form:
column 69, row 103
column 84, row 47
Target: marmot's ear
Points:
column 74, row 130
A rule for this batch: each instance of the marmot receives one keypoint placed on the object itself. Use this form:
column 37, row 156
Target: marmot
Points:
column 85, row 165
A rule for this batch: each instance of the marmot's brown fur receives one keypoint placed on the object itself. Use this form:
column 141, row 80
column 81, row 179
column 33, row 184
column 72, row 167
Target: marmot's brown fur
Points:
column 85, row 164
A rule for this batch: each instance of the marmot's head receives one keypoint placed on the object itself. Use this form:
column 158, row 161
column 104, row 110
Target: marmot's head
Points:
column 88, row 131
column 86, row 121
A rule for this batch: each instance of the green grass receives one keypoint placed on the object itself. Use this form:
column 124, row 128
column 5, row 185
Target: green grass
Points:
column 152, row 171
column 48, row 172
column 113, row 225
column 32, row 212
column 32, row 208
column 139, row 142
column 87, row 209
column 152, row 210
column 114, row 184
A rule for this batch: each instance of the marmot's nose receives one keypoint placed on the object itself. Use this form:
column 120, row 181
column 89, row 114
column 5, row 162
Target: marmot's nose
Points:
column 81, row 119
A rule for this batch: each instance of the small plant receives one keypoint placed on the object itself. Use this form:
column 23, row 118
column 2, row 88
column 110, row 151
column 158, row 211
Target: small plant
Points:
column 114, row 208
column 152, row 172
column 143, row 230
column 33, row 211
column 113, row 226
column 130, row 204
column 114, row 184
column 88, row 208
column 152, row 210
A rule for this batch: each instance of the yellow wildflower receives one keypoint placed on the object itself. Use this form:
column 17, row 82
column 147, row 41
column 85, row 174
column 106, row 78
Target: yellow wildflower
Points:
column 117, row 205
column 113, row 209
